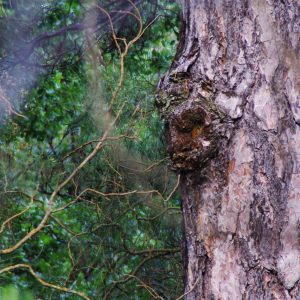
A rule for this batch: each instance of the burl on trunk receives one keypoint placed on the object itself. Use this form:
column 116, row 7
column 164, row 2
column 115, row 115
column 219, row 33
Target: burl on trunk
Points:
column 231, row 107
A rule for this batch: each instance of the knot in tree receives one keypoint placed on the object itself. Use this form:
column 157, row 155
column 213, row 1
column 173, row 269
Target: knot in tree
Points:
column 195, row 127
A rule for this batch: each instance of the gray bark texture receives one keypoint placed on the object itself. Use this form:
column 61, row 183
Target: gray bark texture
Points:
column 231, row 107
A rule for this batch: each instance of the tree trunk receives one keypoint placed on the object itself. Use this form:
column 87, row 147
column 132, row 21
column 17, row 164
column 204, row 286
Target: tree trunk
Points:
column 231, row 107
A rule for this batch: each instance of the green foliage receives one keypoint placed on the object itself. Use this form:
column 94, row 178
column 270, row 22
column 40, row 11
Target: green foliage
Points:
column 103, row 245
column 52, row 106
column 12, row 293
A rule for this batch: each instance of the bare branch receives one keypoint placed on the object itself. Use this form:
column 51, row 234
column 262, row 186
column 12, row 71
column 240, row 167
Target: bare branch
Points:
column 43, row 282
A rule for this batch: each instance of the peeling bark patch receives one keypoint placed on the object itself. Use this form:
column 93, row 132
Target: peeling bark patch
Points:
column 231, row 105
column 294, row 142
column 269, row 201
column 228, row 275
column 265, row 109
column 242, row 151
column 234, row 216
column 289, row 259
column 293, row 92
column 235, row 212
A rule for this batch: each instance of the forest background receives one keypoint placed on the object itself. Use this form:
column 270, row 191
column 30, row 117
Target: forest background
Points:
column 89, row 209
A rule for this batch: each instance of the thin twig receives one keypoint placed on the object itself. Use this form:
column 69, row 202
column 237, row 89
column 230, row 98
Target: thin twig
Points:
column 43, row 282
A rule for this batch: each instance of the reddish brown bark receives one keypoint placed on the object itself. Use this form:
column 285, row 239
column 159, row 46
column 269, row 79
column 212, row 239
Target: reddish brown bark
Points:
column 231, row 106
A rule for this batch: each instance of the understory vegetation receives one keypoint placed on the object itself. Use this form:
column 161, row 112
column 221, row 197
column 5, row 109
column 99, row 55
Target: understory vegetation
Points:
column 89, row 209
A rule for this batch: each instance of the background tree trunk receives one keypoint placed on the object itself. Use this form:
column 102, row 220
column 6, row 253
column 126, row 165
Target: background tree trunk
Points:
column 232, row 112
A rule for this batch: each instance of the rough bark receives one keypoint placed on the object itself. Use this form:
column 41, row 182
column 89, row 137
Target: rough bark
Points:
column 231, row 106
